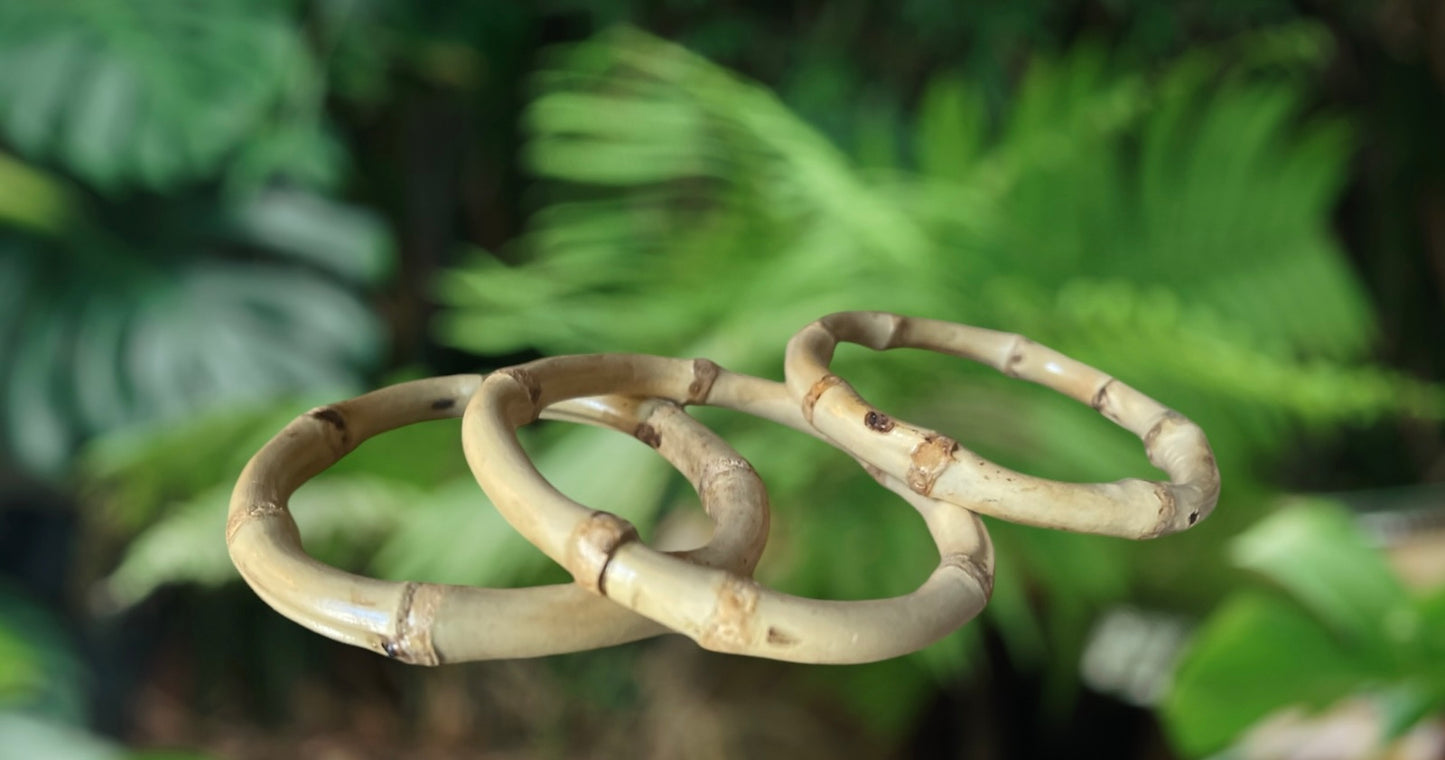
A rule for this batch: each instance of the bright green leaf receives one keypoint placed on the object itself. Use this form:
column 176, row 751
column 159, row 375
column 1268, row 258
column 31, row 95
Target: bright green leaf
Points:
column 1255, row 655
column 1316, row 552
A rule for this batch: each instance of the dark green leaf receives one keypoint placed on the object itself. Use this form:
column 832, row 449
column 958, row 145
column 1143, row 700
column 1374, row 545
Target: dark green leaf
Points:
column 148, row 92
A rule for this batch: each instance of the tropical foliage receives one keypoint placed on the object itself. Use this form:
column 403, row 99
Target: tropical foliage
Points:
column 204, row 230
column 1338, row 622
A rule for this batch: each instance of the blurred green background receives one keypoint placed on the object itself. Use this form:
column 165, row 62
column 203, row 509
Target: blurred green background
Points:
column 215, row 214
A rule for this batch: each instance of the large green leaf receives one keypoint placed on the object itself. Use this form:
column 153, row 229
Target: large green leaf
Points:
column 1318, row 554
column 1348, row 627
column 339, row 518
column 1257, row 654
column 149, row 92
column 249, row 301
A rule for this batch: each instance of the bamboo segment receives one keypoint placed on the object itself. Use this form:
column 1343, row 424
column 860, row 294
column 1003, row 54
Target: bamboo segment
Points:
column 425, row 623
column 721, row 610
column 936, row 466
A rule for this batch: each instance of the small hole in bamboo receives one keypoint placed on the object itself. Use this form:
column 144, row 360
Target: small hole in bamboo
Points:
column 878, row 421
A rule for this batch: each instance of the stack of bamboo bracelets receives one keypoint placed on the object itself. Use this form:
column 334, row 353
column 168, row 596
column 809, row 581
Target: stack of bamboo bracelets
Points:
column 623, row 590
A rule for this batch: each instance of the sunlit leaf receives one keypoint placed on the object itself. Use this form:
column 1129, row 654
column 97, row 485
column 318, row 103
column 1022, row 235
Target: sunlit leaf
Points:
column 339, row 520
column 19, row 667
column 1257, row 654
column 1317, row 553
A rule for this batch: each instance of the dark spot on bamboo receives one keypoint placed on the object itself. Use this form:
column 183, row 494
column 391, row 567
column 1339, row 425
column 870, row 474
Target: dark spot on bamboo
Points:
column 780, row 637
column 443, row 403
column 336, row 420
column 330, row 416
column 878, row 421
column 648, row 434
column 1193, row 517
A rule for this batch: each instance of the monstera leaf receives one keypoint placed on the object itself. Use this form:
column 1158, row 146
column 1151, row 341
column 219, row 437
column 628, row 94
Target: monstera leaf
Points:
column 152, row 92
column 242, row 302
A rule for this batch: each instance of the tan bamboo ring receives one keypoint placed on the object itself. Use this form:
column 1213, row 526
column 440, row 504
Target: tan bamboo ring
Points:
column 426, row 623
column 721, row 610
column 936, row 466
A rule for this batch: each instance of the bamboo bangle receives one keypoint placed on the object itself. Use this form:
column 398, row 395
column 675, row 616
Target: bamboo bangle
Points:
column 425, row 623
column 721, row 610
column 936, row 466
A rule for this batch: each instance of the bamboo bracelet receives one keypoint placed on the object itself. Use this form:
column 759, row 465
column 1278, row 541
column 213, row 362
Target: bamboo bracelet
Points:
column 426, row 623
column 935, row 465
column 707, row 594
column 721, row 610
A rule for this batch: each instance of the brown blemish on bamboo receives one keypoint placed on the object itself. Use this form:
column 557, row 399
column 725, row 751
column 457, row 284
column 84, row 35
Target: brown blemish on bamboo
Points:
column 1018, row 352
column 780, row 637
column 731, row 623
column 704, row 374
column 648, row 435
column 928, row 460
column 877, row 421
column 336, row 421
column 330, row 416
column 814, row 393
